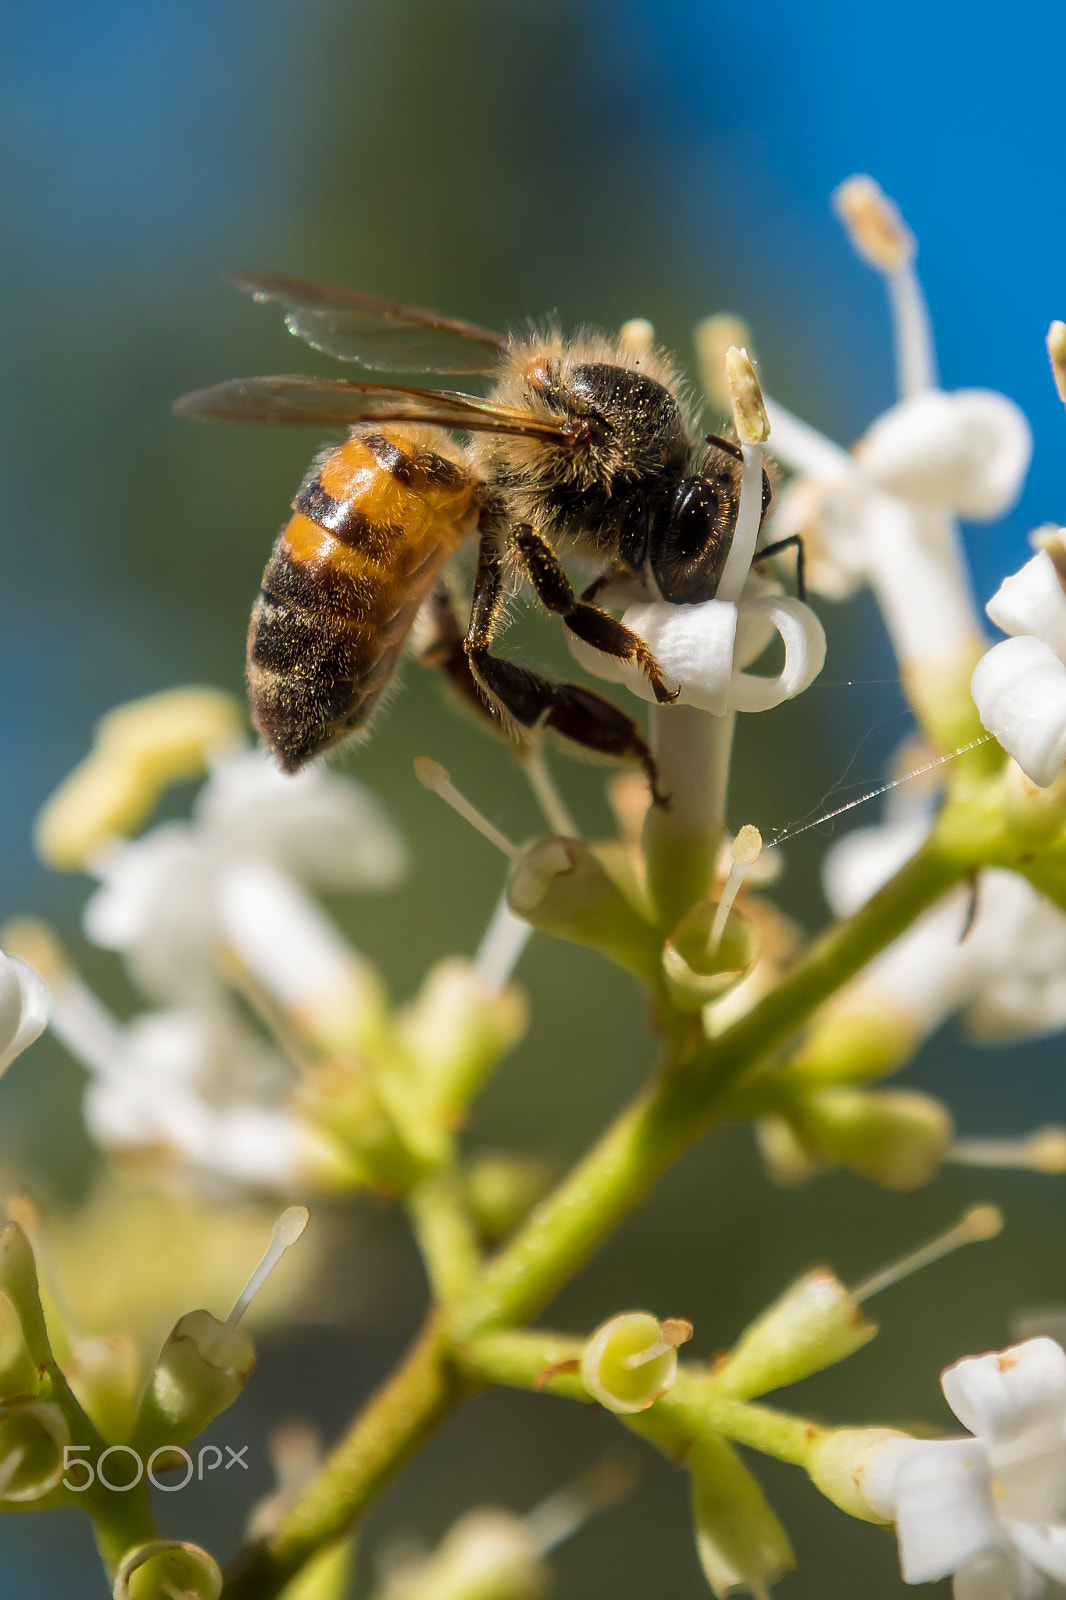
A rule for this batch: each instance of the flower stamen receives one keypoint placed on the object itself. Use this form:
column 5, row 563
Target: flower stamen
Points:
column 437, row 779
column 744, row 852
column 288, row 1228
column 979, row 1223
column 1043, row 1150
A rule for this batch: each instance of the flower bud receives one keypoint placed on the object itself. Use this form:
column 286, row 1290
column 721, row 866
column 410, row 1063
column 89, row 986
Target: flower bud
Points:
column 838, row 1462
column 33, row 1437
column 502, row 1189
column 740, row 1542
column 699, row 964
column 631, row 1361
column 138, row 750
column 457, row 1028
column 560, row 887
column 857, row 1037
column 18, row 1281
column 786, row 1159
column 18, row 1371
column 168, row 1569
column 105, row 1376
column 487, row 1555
column 815, row 1323
column 896, row 1137
column 24, row 1008
column 202, row 1368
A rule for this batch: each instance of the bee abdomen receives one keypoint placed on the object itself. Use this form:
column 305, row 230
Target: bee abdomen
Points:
column 346, row 576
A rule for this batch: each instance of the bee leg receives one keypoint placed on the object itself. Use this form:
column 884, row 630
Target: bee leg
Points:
column 529, row 701
column 794, row 541
column 441, row 646
column 597, row 628
column 612, row 574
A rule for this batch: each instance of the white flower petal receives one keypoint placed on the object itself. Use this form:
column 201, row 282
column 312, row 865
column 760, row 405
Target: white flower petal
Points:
column 1032, row 600
column 998, row 1575
column 24, row 1007
column 254, row 1144
column 804, row 641
column 315, row 824
column 1019, row 689
column 967, row 451
column 1044, row 1547
column 692, row 644
column 1010, row 1392
column 944, row 1510
column 926, row 973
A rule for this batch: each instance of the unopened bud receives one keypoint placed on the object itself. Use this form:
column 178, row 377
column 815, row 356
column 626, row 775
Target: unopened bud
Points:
column 1056, row 349
column 877, row 231
column 745, row 397
column 896, row 1137
column 814, row 1324
column 856, row 1038
column 637, row 337
column 33, row 1438
column 18, row 1371
column 457, row 1028
column 487, row 1555
column 168, row 1569
column 105, row 1375
column 631, row 1361
column 703, row 959
column 714, row 336
column 202, row 1368
column 138, row 751
column 500, row 1190
column 839, row 1461
column 18, row 1281
column 561, row 888
column 740, row 1542
column 785, row 1157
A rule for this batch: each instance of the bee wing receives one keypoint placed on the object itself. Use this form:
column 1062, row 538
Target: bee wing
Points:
column 296, row 401
column 381, row 334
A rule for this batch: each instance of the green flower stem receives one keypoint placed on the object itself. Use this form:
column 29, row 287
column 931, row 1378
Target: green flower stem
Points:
column 682, row 1104
column 663, row 1121
column 121, row 1521
column 445, row 1235
column 408, row 1406
column 692, row 1410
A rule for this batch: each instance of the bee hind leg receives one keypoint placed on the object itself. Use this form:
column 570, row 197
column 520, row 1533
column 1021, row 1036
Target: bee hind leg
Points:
column 441, row 646
column 597, row 628
column 529, row 701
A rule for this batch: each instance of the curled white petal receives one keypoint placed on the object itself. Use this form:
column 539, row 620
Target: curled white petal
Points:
column 315, row 824
column 804, row 641
column 1010, row 1392
column 692, row 644
column 1019, row 688
column 998, row 1575
column 1032, row 601
column 967, row 451
column 944, row 1510
column 24, row 1007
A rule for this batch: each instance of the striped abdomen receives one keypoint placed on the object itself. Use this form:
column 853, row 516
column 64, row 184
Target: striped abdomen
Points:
column 371, row 529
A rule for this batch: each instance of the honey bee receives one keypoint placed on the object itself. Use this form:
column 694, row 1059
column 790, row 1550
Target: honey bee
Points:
column 583, row 447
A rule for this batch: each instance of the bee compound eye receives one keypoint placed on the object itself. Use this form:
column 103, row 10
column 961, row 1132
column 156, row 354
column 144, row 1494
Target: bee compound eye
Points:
column 694, row 510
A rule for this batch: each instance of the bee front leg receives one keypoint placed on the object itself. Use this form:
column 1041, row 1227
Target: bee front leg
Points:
column 528, row 700
column 597, row 628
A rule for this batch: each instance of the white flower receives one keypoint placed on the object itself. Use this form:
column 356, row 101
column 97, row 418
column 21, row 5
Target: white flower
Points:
column 1006, row 973
column 1019, row 687
column 704, row 650
column 990, row 1509
column 885, row 513
column 158, row 900
column 24, row 1008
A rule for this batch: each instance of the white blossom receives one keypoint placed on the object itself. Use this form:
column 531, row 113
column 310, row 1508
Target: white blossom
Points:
column 990, row 1510
column 1002, row 963
column 1019, row 687
column 24, row 1007
column 884, row 513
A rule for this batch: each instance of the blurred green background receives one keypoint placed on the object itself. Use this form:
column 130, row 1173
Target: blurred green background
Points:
column 501, row 160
